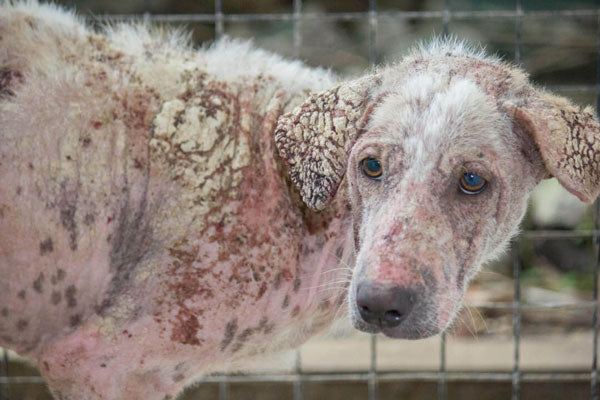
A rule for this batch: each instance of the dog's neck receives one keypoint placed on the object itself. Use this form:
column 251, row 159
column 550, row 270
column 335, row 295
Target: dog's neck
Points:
column 326, row 240
column 328, row 255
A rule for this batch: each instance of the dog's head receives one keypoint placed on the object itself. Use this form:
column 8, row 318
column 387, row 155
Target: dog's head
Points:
column 440, row 153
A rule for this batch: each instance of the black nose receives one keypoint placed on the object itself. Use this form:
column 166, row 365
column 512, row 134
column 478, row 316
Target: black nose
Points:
column 384, row 305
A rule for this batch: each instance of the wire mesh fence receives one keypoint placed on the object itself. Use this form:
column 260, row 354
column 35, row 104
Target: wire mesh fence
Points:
column 375, row 376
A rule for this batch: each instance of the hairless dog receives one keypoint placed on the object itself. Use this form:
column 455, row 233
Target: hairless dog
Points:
column 166, row 211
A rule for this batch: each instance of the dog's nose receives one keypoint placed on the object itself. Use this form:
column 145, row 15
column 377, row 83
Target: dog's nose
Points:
column 384, row 305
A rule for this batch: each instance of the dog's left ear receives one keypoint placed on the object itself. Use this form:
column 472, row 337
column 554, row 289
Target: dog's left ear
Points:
column 568, row 139
column 315, row 138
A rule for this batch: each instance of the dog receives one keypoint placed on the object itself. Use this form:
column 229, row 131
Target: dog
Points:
column 166, row 212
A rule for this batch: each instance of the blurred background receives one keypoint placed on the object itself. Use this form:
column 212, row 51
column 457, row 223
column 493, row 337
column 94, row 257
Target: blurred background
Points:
column 557, row 42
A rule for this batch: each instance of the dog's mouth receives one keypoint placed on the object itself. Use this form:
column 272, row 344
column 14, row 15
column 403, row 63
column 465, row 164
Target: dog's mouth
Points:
column 396, row 333
column 411, row 312
column 361, row 325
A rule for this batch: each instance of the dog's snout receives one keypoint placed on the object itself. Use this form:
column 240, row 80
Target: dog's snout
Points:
column 384, row 305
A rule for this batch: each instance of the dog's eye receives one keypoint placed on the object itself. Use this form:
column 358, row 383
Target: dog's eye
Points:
column 471, row 183
column 371, row 167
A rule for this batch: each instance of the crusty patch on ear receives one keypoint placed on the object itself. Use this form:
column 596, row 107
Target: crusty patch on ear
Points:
column 568, row 139
column 314, row 139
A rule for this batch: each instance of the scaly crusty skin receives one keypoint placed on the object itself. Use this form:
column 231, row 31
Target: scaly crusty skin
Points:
column 315, row 138
column 567, row 138
column 150, row 228
column 147, row 234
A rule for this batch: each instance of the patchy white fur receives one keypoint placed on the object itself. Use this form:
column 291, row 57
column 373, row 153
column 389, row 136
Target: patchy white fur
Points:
column 55, row 15
column 234, row 59
column 452, row 46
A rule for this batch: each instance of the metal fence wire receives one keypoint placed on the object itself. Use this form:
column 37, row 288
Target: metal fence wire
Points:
column 373, row 375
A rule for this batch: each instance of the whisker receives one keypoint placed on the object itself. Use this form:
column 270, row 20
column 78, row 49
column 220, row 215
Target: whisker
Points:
column 336, row 289
column 343, row 308
column 332, row 283
column 481, row 317
column 335, row 269
column 341, row 260
column 473, row 323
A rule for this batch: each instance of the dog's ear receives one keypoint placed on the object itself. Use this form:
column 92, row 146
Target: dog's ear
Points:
column 315, row 138
column 568, row 139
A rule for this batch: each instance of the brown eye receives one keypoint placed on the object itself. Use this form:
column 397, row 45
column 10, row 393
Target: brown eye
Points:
column 471, row 183
column 371, row 167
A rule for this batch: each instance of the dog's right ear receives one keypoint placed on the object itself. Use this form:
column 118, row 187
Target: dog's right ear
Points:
column 315, row 138
column 567, row 137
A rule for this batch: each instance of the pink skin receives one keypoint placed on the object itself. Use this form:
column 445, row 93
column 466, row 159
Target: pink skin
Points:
column 219, row 295
column 161, row 233
column 115, row 278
